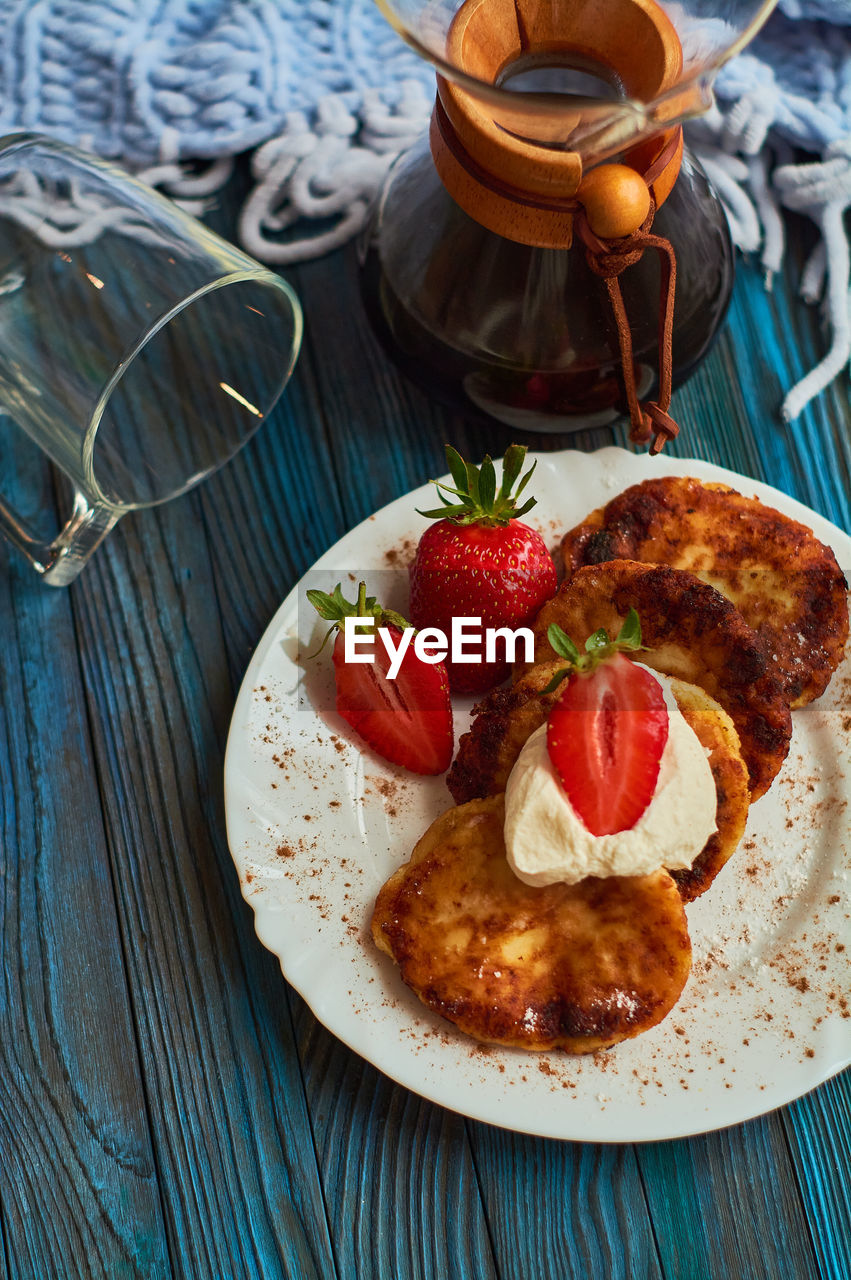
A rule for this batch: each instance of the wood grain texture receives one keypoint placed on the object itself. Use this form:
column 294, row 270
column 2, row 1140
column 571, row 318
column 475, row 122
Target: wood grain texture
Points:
column 819, row 1133
column 226, row 1102
column 386, row 435
column 168, row 1106
column 727, row 1204
column 399, row 1180
column 78, row 1184
column 578, row 1209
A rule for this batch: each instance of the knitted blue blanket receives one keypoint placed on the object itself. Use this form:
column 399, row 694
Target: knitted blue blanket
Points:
column 325, row 94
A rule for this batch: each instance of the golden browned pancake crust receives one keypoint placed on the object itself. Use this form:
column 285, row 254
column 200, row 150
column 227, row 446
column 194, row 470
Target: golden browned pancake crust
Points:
column 576, row 967
column 784, row 581
column 717, row 734
column 508, row 717
column 691, row 632
column 502, row 724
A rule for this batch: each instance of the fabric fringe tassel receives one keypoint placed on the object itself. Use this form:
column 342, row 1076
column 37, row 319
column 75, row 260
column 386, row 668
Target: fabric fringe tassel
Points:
column 756, row 178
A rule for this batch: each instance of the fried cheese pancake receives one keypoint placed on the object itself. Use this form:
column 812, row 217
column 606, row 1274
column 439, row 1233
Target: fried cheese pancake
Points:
column 691, row 632
column 577, row 967
column 785, row 582
column 508, row 717
column 717, row 735
column 502, row 724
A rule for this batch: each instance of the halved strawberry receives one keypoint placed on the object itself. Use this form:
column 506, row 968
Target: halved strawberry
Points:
column 407, row 719
column 607, row 732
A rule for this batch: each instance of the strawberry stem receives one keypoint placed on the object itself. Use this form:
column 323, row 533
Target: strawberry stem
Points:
column 478, row 501
column 598, row 647
column 335, row 608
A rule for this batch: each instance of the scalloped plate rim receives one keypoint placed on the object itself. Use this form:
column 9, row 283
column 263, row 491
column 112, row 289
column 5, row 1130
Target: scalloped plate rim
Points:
column 635, row 467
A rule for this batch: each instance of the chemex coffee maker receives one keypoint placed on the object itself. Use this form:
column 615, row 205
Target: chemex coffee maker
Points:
column 550, row 255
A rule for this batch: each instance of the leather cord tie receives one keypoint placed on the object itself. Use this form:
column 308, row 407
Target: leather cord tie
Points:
column 608, row 259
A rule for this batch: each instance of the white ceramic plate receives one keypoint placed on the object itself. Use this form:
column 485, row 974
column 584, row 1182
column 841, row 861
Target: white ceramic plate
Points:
column 316, row 826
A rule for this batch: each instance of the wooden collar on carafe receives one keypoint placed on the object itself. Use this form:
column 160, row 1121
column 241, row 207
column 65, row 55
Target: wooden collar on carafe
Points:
column 527, row 191
column 537, row 194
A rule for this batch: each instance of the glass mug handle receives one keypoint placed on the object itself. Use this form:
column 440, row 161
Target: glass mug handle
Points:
column 61, row 559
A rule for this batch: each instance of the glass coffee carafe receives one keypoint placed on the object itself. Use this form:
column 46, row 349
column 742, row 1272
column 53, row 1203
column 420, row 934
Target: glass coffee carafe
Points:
column 549, row 254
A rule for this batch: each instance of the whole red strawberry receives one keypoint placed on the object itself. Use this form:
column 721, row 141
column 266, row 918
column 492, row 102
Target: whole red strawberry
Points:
column 404, row 714
column 481, row 561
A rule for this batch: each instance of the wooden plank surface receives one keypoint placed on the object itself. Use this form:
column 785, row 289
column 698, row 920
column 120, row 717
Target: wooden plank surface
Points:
column 168, row 1106
column 578, row 1209
column 226, row 1101
column 697, row 1190
column 818, row 1129
column 78, row 1181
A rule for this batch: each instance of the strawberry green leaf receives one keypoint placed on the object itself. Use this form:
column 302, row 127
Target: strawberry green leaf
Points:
column 525, row 480
column 335, row 608
column 556, row 680
column 562, row 643
column 473, row 484
column 527, row 506
column 629, row 636
column 512, row 465
column 599, row 640
column 324, row 605
column 478, row 501
column 598, row 648
column 457, row 469
column 448, row 512
column 487, row 484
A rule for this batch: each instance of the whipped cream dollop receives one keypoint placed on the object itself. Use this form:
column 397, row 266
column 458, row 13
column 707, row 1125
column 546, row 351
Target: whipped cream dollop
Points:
column 547, row 842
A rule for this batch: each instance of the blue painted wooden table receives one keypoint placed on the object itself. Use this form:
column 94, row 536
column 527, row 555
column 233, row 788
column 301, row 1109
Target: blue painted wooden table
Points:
column 168, row 1106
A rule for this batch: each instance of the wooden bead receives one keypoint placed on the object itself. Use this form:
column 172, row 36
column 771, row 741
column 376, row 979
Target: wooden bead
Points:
column 616, row 200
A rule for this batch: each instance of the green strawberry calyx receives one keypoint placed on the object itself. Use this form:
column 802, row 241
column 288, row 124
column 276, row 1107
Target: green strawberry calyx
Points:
column 598, row 647
column 474, row 499
column 335, row 608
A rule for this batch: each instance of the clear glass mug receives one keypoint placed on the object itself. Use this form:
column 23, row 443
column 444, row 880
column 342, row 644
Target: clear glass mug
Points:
column 138, row 349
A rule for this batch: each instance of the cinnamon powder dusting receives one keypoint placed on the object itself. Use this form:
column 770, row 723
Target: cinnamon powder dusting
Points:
column 768, row 937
